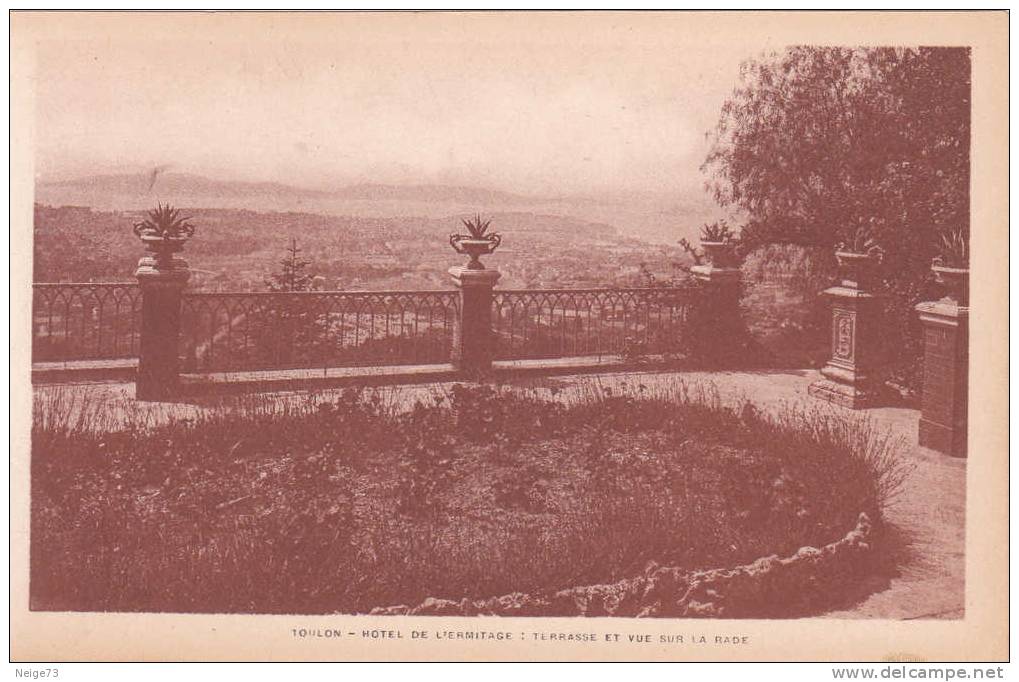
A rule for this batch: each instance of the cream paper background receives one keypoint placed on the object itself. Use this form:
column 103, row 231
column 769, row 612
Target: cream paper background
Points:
column 981, row 635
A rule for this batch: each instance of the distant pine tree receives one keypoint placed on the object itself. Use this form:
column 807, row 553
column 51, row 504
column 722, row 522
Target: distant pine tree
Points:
column 292, row 276
column 289, row 331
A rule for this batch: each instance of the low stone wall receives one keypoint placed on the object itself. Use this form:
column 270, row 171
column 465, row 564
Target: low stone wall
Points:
column 767, row 587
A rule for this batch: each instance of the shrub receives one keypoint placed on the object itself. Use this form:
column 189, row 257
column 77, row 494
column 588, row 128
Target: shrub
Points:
column 783, row 305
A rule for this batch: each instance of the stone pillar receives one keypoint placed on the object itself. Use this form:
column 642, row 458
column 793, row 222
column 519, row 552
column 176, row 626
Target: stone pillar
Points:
column 945, row 400
column 850, row 376
column 717, row 333
column 162, row 280
column 473, row 342
column 724, row 281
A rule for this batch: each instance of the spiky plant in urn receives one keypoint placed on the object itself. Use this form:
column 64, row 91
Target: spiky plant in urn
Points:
column 718, row 242
column 162, row 278
column 858, row 256
column 951, row 265
column 164, row 232
column 477, row 242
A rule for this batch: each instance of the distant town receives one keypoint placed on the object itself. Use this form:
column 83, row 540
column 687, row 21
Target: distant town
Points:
column 238, row 249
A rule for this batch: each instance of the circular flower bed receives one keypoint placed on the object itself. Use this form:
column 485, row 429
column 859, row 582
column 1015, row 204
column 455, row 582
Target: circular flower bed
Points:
column 478, row 499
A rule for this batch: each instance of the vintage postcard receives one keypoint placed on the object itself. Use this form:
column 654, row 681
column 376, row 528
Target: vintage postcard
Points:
column 509, row 336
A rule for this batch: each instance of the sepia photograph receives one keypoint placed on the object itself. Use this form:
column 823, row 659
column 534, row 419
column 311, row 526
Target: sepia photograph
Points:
column 652, row 323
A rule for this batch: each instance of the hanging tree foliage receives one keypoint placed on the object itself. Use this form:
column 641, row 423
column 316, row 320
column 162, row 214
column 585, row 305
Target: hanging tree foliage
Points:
column 816, row 143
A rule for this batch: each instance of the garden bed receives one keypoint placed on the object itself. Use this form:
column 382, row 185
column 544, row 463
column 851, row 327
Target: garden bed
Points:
column 351, row 505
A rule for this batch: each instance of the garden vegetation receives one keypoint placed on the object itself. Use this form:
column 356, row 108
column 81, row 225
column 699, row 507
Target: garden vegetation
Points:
column 353, row 501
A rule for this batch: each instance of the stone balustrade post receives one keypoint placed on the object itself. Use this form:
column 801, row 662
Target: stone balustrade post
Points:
column 716, row 331
column 723, row 281
column 945, row 400
column 162, row 279
column 473, row 341
column 851, row 374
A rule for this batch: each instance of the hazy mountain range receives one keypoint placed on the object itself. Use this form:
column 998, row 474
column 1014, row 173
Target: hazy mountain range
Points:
column 654, row 217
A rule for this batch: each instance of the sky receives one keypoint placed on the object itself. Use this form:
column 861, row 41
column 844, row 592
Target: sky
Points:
column 553, row 108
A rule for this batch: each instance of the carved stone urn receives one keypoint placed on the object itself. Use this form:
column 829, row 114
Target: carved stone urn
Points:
column 162, row 247
column 474, row 247
column 719, row 254
column 955, row 280
column 163, row 233
column 858, row 270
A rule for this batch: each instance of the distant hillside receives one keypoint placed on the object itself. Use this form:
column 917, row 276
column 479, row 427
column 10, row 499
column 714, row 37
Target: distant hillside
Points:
column 474, row 195
column 236, row 249
column 190, row 190
column 656, row 218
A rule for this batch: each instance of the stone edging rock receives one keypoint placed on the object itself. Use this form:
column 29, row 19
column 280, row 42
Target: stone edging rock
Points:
column 769, row 586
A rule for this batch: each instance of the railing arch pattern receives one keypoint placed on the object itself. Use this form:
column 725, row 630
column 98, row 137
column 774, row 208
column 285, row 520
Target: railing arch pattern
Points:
column 249, row 331
column 269, row 330
column 553, row 323
column 85, row 321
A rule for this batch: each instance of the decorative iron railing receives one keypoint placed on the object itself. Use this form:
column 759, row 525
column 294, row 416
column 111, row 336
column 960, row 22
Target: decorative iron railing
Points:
column 250, row 331
column 552, row 323
column 258, row 331
column 86, row 321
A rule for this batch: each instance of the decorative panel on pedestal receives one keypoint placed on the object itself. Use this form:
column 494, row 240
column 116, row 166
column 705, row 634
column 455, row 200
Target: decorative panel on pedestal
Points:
column 851, row 374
